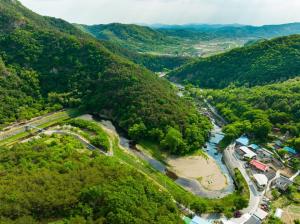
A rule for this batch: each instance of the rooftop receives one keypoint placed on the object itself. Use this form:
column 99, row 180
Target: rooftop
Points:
column 259, row 165
column 290, row 150
column 261, row 214
column 278, row 213
column 254, row 147
column 248, row 153
column 243, row 140
column 261, row 179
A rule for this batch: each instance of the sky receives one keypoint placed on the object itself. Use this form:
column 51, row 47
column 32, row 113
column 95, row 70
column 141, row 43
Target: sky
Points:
column 253, row 12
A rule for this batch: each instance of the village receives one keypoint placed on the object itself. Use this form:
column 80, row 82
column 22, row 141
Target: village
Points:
column 273, row 182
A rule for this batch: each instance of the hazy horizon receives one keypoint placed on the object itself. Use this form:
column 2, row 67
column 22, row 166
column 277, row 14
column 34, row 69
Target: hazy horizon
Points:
column 170, row 12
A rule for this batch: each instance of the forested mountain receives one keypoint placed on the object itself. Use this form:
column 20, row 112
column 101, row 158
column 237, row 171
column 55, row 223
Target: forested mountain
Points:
column 21, row 96
column 77, row 70
column 256, row 110
column 231, row 30
column 155, row 63
column 134, row 37
column 54, row 180
column 261, row 63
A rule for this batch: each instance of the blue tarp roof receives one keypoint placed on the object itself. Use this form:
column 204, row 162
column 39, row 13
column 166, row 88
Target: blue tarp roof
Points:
column 290, row 150
column 199, row 220
column 254, row 146
column 243, row 140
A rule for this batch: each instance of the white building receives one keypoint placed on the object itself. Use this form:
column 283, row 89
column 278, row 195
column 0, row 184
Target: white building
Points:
column 261, row 180
column 247, row 153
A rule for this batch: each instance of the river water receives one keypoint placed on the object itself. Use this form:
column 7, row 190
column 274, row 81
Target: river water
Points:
column 189, row 184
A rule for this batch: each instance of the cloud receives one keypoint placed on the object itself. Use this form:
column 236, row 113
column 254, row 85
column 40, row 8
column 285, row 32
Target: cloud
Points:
column 170, row 11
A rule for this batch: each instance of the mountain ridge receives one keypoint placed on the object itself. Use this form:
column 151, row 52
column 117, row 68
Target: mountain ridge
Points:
column 258, row 64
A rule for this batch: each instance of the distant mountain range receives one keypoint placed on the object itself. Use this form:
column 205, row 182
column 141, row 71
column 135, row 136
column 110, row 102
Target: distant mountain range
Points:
column 142, row 36
column 184, row 39
column 130, row 36
column 257, row 64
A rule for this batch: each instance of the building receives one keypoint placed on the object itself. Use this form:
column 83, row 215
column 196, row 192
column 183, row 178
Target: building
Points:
column 260, row 214
column 278, row 213
column 261, row 181
column 253, row 220
column 290, row 150
column 259, row 165
column 247, row 153
column 266, row 153
column 254, row 147
column 282, row 183
column 243, row 141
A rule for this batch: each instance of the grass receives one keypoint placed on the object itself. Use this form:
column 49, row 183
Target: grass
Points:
column 154, row 150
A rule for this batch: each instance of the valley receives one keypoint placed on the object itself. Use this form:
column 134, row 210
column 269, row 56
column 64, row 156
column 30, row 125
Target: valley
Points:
column 125, row 123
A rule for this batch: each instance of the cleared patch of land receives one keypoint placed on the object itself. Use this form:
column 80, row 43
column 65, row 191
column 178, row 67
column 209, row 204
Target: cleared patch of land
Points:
column 291, row 213
column 205, row 170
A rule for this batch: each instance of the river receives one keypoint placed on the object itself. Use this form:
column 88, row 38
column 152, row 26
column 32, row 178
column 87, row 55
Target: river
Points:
column 189, row 184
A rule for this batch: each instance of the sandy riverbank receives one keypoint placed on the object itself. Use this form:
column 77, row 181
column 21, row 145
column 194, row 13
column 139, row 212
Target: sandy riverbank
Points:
column 204, row 170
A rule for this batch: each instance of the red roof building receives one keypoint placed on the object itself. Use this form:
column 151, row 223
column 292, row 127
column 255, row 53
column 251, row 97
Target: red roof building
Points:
column 260, row 166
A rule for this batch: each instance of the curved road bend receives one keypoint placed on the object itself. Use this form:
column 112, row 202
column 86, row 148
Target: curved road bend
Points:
column 255, row 195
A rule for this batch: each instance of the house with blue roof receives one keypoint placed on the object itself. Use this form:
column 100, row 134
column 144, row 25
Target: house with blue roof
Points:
column 290, row 150
column 254, row 147
column 243, row 140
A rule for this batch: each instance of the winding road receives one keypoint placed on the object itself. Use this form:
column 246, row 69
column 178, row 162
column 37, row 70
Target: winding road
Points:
column 255, row 195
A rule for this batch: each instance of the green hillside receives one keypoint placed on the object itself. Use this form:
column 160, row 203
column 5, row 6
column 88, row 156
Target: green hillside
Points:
column 262, row 63
column 78, row 71
column 21, row 96
column 134, row 37
column 155, row 63
column 256, row 110
column 55, row 180
column 212, row 31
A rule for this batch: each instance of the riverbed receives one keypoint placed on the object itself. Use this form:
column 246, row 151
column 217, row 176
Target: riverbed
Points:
column 189, row 182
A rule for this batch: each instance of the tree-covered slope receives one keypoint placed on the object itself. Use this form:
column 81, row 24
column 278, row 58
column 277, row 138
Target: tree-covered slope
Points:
column 21, row 95
column 135, row 37
column 256, row 110
column 212, row 31
column 265, row 62
column 55, row 180
column 77, row 70
column 155, row 63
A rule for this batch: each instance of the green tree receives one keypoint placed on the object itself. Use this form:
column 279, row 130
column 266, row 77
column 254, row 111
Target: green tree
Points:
column 173, row 141
column 137, row 131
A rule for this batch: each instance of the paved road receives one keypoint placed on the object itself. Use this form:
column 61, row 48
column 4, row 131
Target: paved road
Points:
column 21, row 127
column 255, row 195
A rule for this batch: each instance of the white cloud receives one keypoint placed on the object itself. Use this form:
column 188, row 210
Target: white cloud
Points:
column 170, row 11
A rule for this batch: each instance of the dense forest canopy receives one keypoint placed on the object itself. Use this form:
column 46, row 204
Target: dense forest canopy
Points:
column 211, row 31
column 262, row 63
column 130, row 36
column 153, row 62
column 256, row 110
column 78, row 71
column 21, row 96
column 54, row 179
